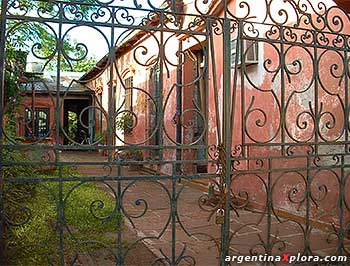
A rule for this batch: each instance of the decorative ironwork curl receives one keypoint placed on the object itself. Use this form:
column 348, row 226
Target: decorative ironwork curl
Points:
column 143, row 53
column 17, row 7
column 96, row 204
column 295, row 195
column 123, row 17
column 102, row 14
column 289, row 35
column 326, row 17
column 250, row 31
column 197, row 22
column 17, row 213
column 142, row 203
column 237, row 151
column 87, row 141
column 49, row 10
column 150, row 17
column 261, row 121
column 73, row 12
column 273, row 33
column 217, row 26
column 290, row 151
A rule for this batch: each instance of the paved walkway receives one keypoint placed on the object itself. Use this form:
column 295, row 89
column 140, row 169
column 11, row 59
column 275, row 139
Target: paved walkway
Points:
column 196, row 236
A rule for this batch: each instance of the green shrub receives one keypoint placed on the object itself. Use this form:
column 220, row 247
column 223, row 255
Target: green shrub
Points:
column 89, row 213
column 125, row 122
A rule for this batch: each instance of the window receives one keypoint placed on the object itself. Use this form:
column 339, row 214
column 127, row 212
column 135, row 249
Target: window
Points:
column 250, row 50
column 37, row 126
column 154, row 90
column 129, row 84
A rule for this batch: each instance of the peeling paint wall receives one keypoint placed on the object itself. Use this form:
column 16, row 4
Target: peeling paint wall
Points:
column 294, row 94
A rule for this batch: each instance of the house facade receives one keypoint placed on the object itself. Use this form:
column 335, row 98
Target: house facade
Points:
column 289, row 94
column 138, row 82
column 34, row 120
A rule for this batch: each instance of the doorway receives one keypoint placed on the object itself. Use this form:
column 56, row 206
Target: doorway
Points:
column 78, row 121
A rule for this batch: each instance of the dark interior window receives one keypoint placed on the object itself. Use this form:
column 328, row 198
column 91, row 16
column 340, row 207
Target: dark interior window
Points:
column 37, row 125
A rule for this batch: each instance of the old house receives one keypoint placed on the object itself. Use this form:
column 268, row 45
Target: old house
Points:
column 186, row 90
column 247, row 100
column 289, row 95
column 35, row 118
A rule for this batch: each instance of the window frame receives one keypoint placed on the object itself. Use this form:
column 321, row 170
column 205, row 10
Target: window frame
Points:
column 128, row 86
column 38, row 131
column 247, row 44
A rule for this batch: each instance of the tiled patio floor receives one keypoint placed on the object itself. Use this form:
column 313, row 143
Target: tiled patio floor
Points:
column 197, row 237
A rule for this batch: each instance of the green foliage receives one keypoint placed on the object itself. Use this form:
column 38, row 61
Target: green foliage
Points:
column 89, row 214
column 34, row 205
column 124, row 122
column 99, row 136
column 85, row 65
column 29, row 35
column 72, row 124
column 41, row 39
column 18, row 170
column 15, row 65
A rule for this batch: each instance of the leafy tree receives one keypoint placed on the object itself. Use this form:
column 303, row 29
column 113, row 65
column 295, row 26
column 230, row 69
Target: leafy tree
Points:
column 42, row 41
column 15, row 62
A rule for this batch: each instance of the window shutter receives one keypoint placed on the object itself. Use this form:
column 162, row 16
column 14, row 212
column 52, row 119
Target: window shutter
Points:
column 250, row 50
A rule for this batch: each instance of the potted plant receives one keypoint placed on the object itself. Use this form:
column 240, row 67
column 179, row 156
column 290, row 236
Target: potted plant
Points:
column 125, row 122
column 100, row 139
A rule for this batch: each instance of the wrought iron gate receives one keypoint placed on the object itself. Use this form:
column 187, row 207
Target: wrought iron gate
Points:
column 261, row 87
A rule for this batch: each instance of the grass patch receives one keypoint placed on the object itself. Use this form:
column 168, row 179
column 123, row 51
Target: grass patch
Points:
column 89, row 214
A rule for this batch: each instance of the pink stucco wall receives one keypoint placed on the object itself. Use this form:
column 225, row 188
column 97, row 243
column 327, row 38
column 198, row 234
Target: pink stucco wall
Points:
column 277, row 102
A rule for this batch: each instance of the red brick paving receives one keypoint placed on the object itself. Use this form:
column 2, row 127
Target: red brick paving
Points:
column 198, row 236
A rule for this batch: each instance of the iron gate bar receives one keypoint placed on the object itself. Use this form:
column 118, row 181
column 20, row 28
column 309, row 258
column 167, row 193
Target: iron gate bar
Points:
column 238, row 171
column 232, row 162
column 215, row 85
column 341, row 206
column 227, row 133
column 120, row 213
column 2, row 180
